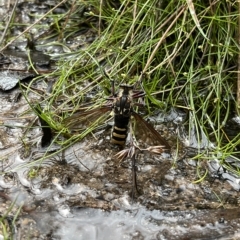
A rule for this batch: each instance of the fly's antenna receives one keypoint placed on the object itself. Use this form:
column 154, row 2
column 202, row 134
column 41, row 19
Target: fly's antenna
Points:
column 111, row 81
column 139, row 81
column 106, row 75
column 112, row 87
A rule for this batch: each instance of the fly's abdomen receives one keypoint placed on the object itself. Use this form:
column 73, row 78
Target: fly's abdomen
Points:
column 120, row 129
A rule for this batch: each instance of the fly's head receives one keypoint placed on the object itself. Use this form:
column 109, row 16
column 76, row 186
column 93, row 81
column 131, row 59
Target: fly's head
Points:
column 123, row 103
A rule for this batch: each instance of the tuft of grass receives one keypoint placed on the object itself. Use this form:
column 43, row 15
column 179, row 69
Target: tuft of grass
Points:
column 182, row 53
column 8, row 221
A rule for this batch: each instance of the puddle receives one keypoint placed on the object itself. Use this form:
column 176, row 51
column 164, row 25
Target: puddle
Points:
column 132, row 224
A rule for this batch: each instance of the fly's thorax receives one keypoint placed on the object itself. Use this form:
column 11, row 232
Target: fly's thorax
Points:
column 123, row 103
column 123, row 106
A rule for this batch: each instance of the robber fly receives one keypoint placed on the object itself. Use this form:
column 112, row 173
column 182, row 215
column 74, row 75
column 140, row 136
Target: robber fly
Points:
column 122, row 106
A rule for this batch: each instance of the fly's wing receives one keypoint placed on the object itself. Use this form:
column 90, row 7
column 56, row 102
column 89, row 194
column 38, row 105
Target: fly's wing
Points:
column 147, row 137
column 87, row 120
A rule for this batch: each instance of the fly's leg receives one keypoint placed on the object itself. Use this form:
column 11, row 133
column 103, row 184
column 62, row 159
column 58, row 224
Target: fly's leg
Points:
column 134, row 178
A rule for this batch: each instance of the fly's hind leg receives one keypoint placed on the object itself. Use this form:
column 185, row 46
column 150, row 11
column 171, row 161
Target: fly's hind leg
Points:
column 135, row 191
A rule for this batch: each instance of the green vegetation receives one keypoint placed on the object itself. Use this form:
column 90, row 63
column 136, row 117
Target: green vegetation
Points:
column 8, row 221
column 181, row 58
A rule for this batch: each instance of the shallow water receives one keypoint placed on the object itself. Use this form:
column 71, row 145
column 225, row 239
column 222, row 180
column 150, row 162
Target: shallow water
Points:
column 138, row 223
